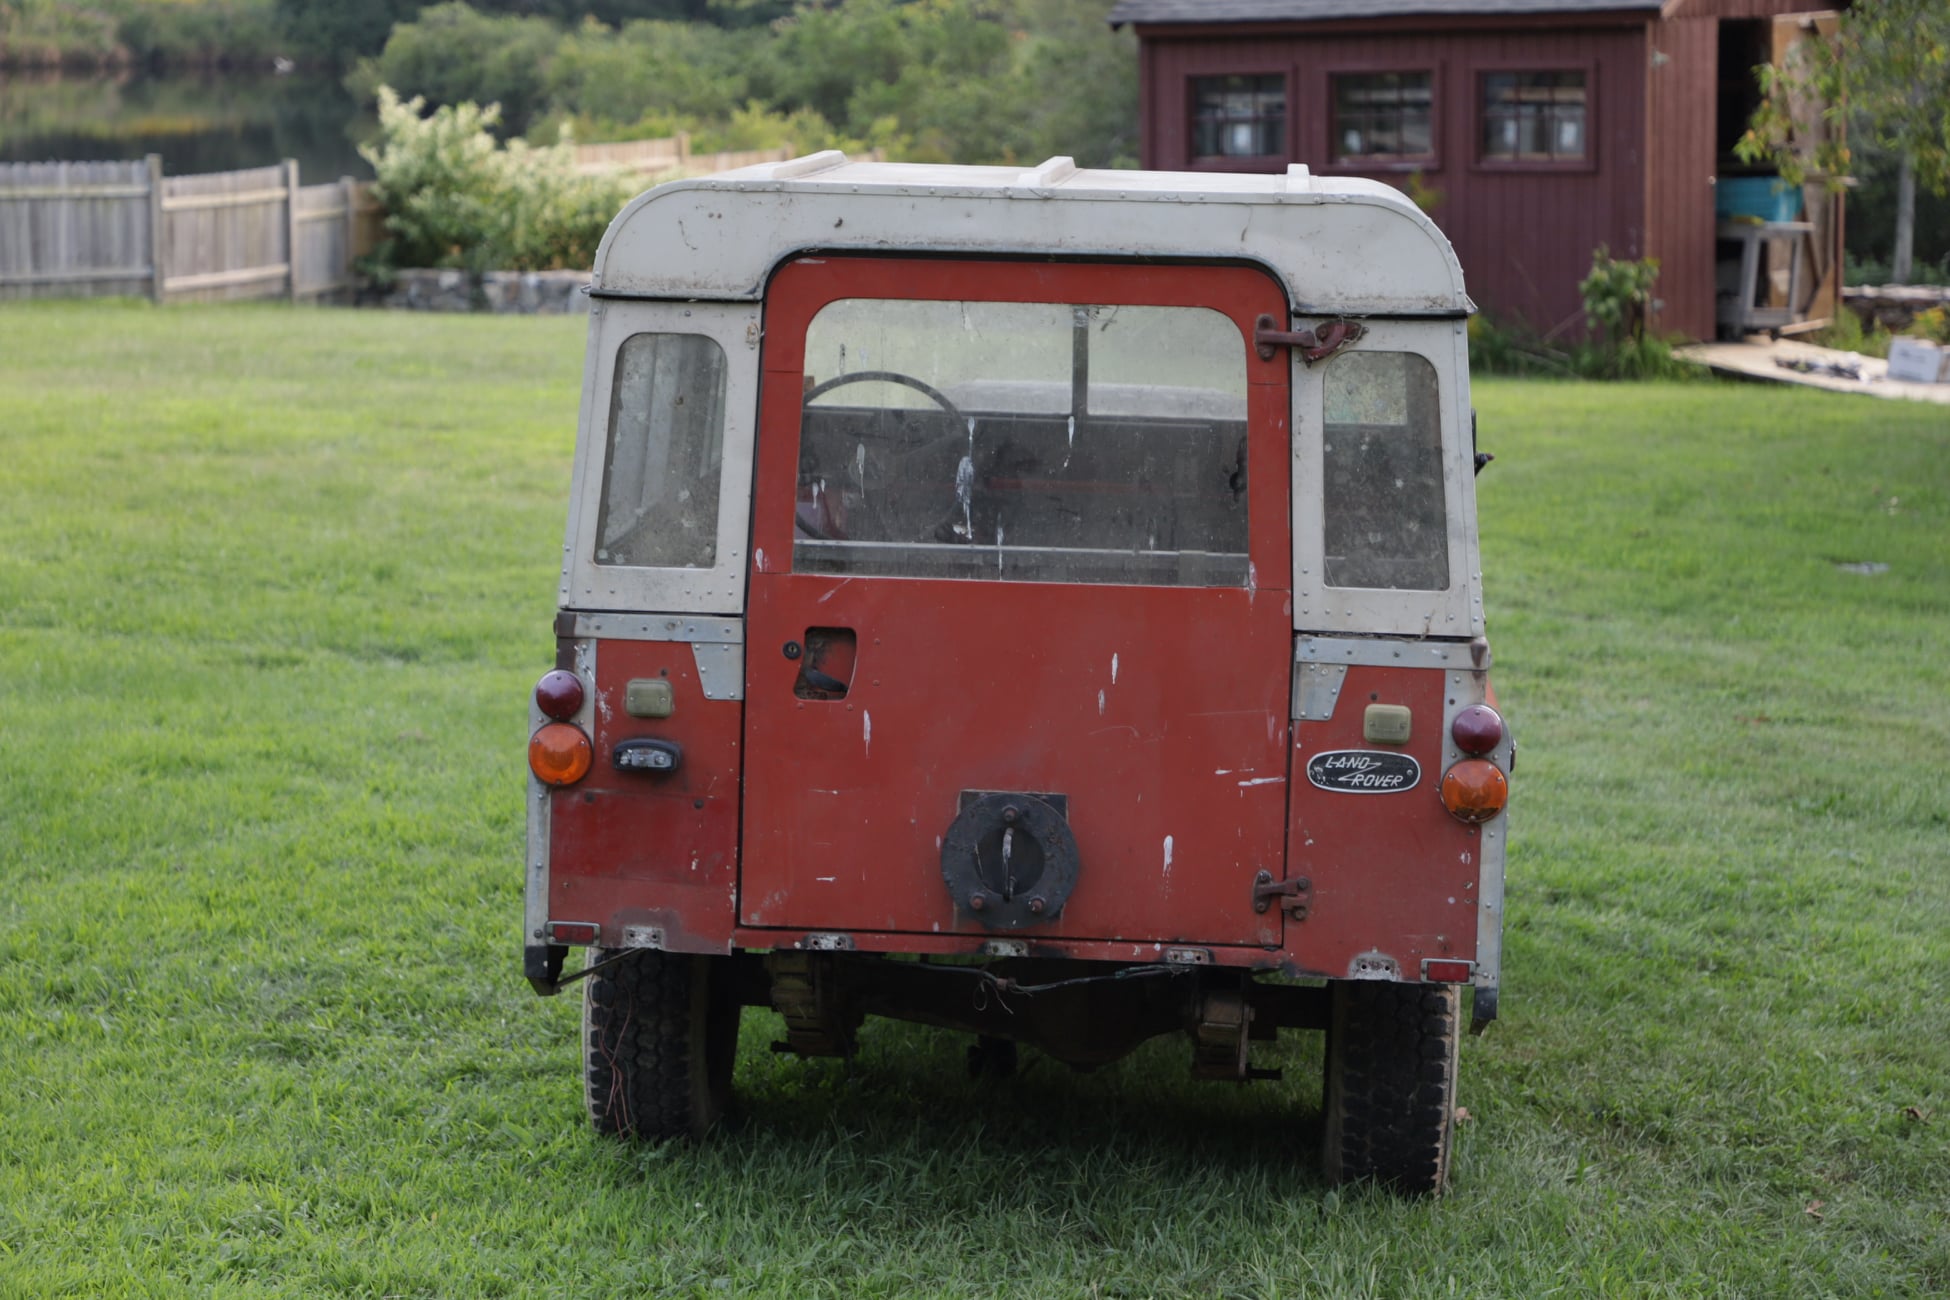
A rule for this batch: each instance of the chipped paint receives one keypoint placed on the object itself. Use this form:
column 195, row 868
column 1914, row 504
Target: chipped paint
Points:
column 866, row 731
column 1113, row 670
column 1263, row 780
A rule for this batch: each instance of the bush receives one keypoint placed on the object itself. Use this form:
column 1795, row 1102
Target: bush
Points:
column 1933, row 324
column 1845, row 333
column 1617, row 300
column 454, row 197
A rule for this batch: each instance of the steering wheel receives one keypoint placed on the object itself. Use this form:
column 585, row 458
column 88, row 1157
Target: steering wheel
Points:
column 922, row 387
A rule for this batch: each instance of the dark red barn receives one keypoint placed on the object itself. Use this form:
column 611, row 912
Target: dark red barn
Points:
column 1533, row 131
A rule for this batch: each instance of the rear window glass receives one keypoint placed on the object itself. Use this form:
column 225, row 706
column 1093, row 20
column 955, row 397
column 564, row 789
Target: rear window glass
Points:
column 666, row 448
column 1043, row 442
column 1385, row 520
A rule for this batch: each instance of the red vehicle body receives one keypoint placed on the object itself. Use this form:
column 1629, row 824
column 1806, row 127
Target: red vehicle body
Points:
column 1031, row 604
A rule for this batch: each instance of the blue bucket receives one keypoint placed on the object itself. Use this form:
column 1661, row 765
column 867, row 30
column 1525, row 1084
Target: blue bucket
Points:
column 1768, row 197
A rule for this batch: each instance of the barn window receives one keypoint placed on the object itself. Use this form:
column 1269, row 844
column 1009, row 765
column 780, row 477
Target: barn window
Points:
column 1239, row 117
column 1536, row 117
column 1384, row 116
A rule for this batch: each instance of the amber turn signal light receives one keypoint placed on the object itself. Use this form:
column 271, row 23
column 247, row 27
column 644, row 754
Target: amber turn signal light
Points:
column 1474, row 790
column 559, row 754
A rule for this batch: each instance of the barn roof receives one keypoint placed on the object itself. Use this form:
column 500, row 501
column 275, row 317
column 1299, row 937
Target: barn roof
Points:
column 1287, row 11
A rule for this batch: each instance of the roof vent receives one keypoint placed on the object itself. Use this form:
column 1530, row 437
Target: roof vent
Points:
column 794, row 168
column 1050, row 172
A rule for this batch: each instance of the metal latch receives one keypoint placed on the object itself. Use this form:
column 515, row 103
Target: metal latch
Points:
column 1296, row 896
column 1314, row 344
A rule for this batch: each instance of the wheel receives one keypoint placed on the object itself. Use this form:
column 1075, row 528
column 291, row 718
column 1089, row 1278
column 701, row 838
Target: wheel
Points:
column 992, row 1058
column 659, row 1035
column 1391, row 1084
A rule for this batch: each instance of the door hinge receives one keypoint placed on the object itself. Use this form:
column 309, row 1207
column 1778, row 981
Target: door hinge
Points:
column 1314, row 344
column 1296, row 896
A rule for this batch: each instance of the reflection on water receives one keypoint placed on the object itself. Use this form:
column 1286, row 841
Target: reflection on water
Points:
column 197, row 123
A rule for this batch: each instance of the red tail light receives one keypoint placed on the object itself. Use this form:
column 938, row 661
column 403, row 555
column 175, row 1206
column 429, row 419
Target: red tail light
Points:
column 559, row 694
column 1477, row 729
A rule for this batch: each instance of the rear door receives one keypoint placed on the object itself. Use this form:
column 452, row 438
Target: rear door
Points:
column 1018, row 527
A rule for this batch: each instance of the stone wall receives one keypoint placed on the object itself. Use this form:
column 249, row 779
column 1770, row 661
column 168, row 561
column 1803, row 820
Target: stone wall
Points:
column 1894, row 305
column 516, row 293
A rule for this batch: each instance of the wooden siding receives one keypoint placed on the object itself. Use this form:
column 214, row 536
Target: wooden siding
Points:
column 1752, row 8
column 1524, row 236
column 1681, row 163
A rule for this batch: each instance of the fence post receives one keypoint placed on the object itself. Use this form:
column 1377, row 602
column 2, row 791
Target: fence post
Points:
column 156, row 216
column 349, row 195
column 683, row 148
column 291, row 224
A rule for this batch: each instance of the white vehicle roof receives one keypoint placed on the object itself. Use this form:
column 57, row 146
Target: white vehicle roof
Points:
column 1341, row 246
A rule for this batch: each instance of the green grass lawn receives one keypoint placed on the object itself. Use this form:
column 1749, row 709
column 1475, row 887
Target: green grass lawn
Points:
column 274, row 586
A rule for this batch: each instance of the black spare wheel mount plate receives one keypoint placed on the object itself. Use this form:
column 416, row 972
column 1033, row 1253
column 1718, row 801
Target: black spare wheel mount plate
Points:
column 1009, row 859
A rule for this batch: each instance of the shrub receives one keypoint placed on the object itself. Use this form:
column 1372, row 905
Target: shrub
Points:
column 1512, row 349
column 1617, row 300
column 1933, row 324
column 454, row 197
column 1847, row 334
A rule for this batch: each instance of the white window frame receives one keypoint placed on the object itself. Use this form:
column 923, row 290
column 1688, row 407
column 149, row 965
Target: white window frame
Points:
column 1453, row 613
column 587, row 585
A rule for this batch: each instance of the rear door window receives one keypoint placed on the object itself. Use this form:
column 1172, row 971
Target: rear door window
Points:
column 1056, row 442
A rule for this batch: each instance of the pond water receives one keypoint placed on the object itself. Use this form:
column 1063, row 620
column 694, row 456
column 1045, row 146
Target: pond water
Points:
column 197, row 123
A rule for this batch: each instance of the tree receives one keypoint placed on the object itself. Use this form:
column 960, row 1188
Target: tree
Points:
column 1886, row 75
column 340, row 32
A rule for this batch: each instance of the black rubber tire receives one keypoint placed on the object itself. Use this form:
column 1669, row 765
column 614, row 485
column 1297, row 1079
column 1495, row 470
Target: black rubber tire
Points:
column 660, row 1037
column 1391, row 1084
column 992, row 1058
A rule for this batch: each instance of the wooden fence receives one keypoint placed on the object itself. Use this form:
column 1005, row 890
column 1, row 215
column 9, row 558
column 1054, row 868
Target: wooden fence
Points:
column 99, row 229
column 672, row 155
column 123, row 228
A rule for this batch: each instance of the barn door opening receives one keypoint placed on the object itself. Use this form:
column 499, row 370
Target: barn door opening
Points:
column 1779, row 260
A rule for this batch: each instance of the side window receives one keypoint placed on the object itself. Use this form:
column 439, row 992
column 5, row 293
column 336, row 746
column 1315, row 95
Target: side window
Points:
column 1033, row 442
column 666, row 448
column 1385, row 521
